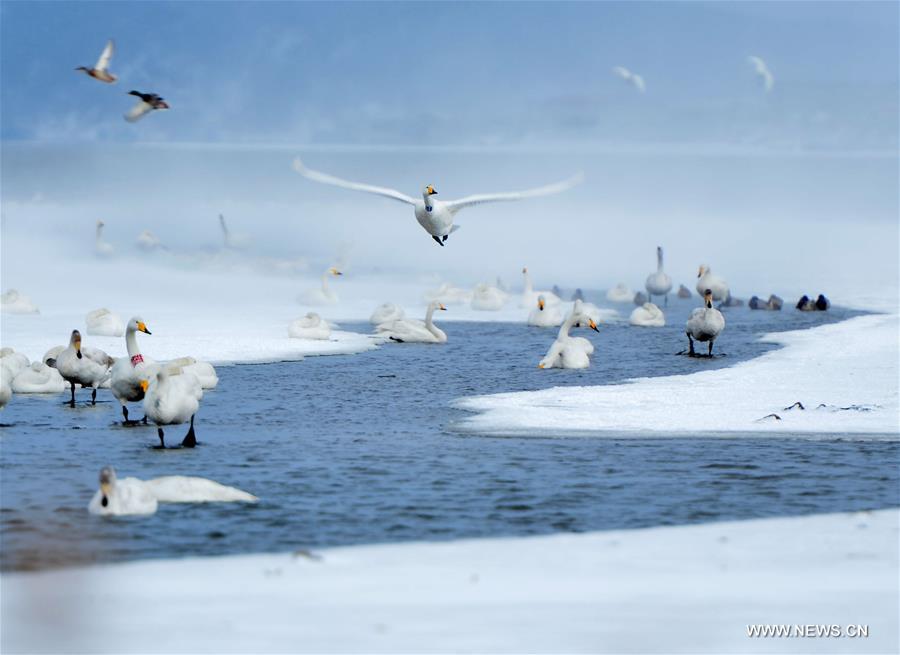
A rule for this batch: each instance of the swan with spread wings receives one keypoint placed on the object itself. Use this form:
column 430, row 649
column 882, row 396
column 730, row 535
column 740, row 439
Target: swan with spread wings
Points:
column 435, row 216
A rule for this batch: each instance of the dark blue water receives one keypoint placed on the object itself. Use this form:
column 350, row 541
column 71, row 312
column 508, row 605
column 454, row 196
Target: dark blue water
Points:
column 356, row 449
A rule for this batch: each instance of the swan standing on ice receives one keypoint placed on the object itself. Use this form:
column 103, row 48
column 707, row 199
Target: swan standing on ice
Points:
column 324, row 295
column 620, row 293
column 705, row 324
column 88, row 367
column 311, row 326
column 102, row 248
column 386, row 313
column 147, row 102
column 486, row 298
column 658, row 284
column 100, row 70
column 435, row 216
column 570, row 352
column 172, row 400
column 647, row 315
column 38, row 378
column 545, row 316
column 103, row 323
column 13, row 302
column 412, row 331
column 530, row 296
column 706, row 279
column 130, row 496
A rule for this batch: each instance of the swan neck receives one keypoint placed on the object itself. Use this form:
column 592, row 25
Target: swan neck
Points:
column 659, row 261
column 131, row 343
column 566, row 326
column 529, row 287
column 429, row 316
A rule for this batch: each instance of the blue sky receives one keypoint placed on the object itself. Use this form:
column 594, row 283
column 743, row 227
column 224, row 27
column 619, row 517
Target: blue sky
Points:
column 457, row 73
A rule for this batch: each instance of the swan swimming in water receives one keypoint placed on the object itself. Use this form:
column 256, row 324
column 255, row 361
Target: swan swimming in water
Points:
column 435, row 216
column 13, row 302
column 311, row 326
column 88, row 367
column 412, row 331
column 104, row 323
column 131, row 496
column 647, row 315
column 658, row 284
column 706, row 279
column 102, row 248
column 545, row 316
column 387, row 312
column 38, row 378
column 172, row 400
column 5, row 387
column 530, row 296
column 705, row 324
column 486, row 298
column 620, row 293
column 774, row 303
column 683, row 291
column 567, row 351
column 324, row 295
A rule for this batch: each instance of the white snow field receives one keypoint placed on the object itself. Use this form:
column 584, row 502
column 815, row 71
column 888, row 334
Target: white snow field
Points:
column 664, row 589
column 844, row 374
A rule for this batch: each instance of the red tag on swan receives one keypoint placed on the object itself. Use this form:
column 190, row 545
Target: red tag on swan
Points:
column 137, row 359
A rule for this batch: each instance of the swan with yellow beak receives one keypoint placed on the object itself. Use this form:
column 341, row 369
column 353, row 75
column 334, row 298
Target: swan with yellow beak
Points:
column 568, row 351
column 88, row 367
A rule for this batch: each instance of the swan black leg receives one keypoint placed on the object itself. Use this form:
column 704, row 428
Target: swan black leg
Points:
column 445, row 237
column 666, row 300
column 94, row 396
column 438, row 240
column 162, row 440
column 127, row 421
column 190, row 439
column 72, row 402
column 710, row 348
column 691, row 345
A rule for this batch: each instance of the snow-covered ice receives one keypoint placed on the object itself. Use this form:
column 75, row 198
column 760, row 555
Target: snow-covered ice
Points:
column 665, row 589
column 850, row 367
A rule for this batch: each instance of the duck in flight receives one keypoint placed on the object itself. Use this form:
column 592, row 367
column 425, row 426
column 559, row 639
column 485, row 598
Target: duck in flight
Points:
column 435, row 216
column 147, row 103
column 100, row 70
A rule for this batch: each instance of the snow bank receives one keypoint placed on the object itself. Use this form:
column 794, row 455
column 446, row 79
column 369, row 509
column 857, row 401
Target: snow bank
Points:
column 844, row 374
column 667, row 589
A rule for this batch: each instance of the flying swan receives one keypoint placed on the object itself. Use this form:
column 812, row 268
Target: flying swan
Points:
column 435, row 216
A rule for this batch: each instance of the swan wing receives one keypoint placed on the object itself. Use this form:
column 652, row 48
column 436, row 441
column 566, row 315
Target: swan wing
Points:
column 325, row 178
column 183, row 489
column 137, row 112
column 455, row 205
column 105, row 56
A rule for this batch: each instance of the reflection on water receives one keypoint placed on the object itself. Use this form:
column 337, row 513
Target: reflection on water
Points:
column 353, row 449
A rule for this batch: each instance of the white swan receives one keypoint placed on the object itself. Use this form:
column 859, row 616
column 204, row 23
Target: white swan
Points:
column 232, row 241
column 38, row 378
column 705, row 324
column 13, row 302
column 204, row 371
column 172, row 400
column 409, row 330
column 620, row 293
column 128, row 372
column 12, row 361
column 148, row 242
column 323, row 295
column 100, row 70
column 88, row 367
column 545, row 316
column 706, row 279
column 102, row 248
column 631, row 77
column 5, row 387
column 449, row 295
column 386, row 313
column 585, row 313
column 566, row 351
column 311, row 326
column 530, row 296
column 658, row 284
column 131, row 496
column 104, row 323
column 762, row 70
column 647, row 315
column 486, row 298
column 435, row 216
